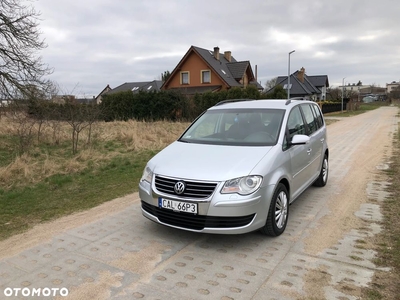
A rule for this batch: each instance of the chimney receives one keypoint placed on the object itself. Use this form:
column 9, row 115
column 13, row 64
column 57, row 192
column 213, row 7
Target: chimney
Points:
column 228, row 55
column 300, row 74
column 256, row 72
column 216, row 53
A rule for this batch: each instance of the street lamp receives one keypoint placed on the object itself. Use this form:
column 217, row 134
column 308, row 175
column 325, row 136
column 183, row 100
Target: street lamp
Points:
column 288, row 86
column 343, row 90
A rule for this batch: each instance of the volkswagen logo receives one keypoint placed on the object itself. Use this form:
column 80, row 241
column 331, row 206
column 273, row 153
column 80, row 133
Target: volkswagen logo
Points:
column 179, row 187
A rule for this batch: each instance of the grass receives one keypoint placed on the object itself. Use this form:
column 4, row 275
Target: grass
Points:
column 364, row 107
column 48, row 181
column 385, row 285
column 62, row 194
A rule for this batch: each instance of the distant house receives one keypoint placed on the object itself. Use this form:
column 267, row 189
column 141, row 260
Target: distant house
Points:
column 358, row 88
column 302, row 85
column 135, row 87
column 392, row 86
column 99, row 97
column 201, row 70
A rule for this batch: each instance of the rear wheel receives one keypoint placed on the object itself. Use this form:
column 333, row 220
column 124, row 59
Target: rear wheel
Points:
column 278, row 212
column 323, row 175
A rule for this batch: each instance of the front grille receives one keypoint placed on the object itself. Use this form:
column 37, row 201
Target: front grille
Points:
column 195, row 222
column 194, row 189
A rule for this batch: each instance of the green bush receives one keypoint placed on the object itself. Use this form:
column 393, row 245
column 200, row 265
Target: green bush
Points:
column 167, row 105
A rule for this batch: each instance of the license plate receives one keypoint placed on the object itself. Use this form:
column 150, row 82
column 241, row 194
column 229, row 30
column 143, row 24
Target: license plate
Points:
column 177, row 205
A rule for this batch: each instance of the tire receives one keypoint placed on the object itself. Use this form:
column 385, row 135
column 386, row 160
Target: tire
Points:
column 323, row 174
column 278, row 212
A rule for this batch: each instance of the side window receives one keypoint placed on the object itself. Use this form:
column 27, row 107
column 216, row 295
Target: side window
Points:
column 309, row 118
column 319, row 118
column 295, row 123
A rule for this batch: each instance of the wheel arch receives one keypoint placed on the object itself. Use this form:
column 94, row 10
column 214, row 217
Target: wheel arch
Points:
column 285, row 182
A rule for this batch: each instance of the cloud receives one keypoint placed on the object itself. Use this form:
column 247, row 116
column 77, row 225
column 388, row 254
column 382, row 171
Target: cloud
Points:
column 95, row 43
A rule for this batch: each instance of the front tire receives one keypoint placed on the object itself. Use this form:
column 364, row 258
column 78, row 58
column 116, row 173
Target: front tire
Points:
column 278, row 212
column 323, row 175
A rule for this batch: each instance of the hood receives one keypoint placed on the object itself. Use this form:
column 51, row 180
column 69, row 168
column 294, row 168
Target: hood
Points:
column 207, row 162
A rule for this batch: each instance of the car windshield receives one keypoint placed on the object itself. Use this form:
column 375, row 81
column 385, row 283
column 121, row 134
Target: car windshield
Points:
column 239, row 127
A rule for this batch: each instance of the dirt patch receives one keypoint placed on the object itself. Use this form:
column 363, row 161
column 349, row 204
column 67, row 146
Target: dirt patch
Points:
column 98, row 290
column 143, row 261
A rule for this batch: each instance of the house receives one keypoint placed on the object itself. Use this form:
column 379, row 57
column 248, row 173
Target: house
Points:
column 302, row 85
column 358, row 88
column 135, row 87
column 392, row 86
column 201, row 70
column 104, row 91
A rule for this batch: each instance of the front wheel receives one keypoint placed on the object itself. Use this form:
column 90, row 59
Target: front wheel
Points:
column 278, row 212
column 323, row 174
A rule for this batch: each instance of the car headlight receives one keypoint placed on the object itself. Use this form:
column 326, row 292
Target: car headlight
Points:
column 243, row 185
column 147, row 175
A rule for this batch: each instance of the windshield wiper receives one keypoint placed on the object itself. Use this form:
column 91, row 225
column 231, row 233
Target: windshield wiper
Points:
column 183, row 141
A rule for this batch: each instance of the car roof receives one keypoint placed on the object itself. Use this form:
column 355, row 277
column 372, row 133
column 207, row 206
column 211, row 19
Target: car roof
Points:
column 252, row 103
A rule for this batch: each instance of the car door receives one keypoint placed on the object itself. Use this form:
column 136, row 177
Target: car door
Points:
column 315, row 132
column 299, row 155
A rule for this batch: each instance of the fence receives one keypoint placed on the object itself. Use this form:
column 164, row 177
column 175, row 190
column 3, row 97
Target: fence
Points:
column 332, row 107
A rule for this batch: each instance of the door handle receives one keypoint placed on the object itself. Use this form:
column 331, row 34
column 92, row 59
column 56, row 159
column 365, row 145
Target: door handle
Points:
column 309, row 151
column 322, row 140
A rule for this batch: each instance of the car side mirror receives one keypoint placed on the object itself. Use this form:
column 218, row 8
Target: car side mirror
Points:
column 300, row 139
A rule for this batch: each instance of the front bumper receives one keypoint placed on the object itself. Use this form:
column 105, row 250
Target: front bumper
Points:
column 220, row 213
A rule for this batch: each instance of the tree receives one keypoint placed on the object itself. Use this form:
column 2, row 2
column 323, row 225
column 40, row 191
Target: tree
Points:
column 270, row 83
column 277, row 93
column 165, row 76
column 334, row 94
column 21, row 68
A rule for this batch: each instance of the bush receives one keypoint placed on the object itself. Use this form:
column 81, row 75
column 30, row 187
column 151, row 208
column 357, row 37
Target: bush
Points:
column 167, row 105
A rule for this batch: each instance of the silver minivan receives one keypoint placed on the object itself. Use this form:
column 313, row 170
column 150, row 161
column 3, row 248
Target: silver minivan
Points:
column 238, row 167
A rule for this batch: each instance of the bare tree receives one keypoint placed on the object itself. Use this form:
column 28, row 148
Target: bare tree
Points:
column 20, row 68
column 335, row 94
column 75, row 116
column 270, row 83
column 23, row 126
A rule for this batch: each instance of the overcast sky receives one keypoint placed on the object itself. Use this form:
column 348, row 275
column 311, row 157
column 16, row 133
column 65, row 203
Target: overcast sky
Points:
column 92, row 43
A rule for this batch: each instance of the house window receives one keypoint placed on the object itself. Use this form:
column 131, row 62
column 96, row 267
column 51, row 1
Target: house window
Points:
column 205, row 76
column 185, row 78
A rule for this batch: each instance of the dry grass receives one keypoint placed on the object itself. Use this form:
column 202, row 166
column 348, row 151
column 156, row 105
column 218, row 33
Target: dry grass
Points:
column 52, row 152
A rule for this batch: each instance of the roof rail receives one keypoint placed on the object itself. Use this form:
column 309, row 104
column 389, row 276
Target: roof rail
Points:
column 232, row 100
column 299, row 98
column 295, row 98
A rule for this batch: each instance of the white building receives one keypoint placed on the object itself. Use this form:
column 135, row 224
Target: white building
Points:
column 392, row 86
column 352, row 87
